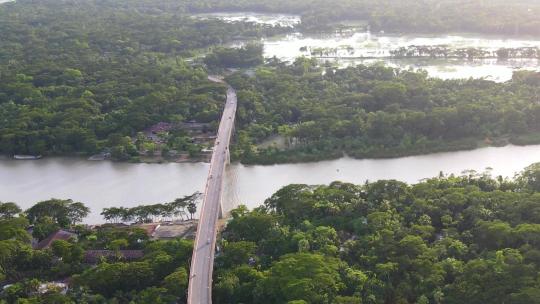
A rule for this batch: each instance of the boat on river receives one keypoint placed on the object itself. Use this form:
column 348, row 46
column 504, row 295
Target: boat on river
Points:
column 100, row 156
column 27, row 157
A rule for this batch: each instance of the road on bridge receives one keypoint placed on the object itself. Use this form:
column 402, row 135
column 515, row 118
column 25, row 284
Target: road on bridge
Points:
column 202, row 261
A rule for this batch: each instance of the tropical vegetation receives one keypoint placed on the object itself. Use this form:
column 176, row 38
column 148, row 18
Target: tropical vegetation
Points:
column 179, row 208
column 376, row 111
column 451, row 239
column 84, row 77
column 471, row 238
column 31, row 273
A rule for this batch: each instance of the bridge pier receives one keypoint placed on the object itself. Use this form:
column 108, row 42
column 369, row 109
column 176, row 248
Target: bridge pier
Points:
column 221, row 215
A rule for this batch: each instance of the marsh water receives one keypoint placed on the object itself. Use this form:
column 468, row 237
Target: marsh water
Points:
column 101, row 184
column 351, row 47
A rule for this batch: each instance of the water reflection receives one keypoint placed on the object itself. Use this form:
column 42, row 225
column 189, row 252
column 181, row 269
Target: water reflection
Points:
column 348, row 50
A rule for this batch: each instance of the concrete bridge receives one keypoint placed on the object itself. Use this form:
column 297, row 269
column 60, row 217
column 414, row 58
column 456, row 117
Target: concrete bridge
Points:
column 202, row 261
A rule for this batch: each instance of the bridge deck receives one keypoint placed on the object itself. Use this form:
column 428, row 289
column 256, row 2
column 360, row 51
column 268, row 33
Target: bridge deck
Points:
column 202, row 261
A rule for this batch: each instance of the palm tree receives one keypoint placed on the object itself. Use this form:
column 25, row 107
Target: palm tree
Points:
column 192, row 208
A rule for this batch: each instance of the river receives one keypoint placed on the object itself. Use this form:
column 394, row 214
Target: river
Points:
column 105, row 184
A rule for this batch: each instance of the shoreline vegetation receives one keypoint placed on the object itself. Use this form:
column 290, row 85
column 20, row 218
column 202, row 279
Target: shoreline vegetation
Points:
column 297, row 157
column 292, row 157
column 432, row 52
column 285, row 157
column 272, row 155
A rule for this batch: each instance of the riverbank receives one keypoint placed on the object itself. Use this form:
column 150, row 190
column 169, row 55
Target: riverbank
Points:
column 104, row 184
column 271, row 156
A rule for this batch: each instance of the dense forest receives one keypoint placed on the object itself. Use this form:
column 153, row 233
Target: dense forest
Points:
column 86, row 77
column 470, row 239
column 467, row 239
column 81, row 76
column 377, row 111
column 520, row 17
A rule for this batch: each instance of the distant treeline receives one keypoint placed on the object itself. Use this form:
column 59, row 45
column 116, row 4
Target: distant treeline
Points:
column 431, row 51
column 521, row 17
column 468, row 53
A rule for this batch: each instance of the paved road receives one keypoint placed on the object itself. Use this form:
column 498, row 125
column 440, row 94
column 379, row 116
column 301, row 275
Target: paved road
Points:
column 202, row 261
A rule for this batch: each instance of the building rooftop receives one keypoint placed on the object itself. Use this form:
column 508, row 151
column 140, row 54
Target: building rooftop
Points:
column 185, row 229
column 58, row 235
column 149, row 228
